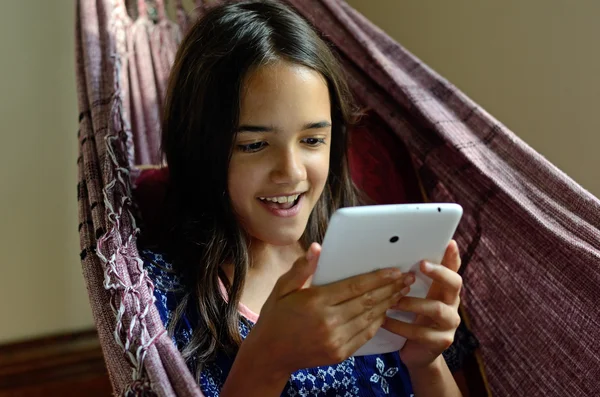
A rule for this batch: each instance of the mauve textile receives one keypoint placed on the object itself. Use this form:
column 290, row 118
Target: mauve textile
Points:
column 151, row 49
column 530, row 235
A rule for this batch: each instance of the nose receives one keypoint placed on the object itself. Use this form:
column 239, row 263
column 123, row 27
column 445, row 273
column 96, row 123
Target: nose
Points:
column 289, row 168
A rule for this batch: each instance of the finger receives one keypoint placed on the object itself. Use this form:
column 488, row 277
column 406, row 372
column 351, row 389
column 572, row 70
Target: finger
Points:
column 388, row 295
column 451, row 258
column 356, row 286
column 450, row 281
column 431, row 337
column 313, row 253
column 445, row 316
column 365, row 334
column 301, row 270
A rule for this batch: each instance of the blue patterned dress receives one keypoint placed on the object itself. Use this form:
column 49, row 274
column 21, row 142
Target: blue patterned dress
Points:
column 368, row 376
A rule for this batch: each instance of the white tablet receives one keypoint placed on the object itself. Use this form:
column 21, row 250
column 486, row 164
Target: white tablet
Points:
column 362, row 239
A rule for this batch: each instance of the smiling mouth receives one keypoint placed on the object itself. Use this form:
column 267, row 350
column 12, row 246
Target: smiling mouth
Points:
column 281, row 203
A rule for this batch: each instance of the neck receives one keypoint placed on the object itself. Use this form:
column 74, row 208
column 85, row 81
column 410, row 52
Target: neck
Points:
column 268, row 260
column 265, row 256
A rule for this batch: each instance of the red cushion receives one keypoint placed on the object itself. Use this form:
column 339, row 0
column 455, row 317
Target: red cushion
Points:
column 379, row 163
column 149, row 195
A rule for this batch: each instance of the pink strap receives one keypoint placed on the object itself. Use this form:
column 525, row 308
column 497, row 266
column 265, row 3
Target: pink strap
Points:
column 243, row 309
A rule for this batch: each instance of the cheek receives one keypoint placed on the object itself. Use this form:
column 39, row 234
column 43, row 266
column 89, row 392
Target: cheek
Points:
column 243, row 183
column 318, row 169
column 237, row 184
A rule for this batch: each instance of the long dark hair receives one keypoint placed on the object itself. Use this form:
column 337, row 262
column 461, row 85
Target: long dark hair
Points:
column 199, row 123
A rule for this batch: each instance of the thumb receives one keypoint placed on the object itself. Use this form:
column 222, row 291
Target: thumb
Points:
column 302, row 269
column 452, row 257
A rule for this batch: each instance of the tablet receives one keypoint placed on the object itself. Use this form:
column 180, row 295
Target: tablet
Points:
column 362, row 239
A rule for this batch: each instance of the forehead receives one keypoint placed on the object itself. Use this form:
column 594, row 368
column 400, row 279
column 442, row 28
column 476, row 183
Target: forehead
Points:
column 282, row 93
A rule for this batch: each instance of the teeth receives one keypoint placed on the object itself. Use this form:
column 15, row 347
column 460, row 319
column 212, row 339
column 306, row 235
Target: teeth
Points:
column 281, row 199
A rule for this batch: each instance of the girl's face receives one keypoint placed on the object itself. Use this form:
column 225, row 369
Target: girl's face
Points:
column 280, row 160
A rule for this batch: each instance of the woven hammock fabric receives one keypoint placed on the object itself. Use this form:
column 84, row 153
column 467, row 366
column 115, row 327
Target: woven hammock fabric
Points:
column 530, row 235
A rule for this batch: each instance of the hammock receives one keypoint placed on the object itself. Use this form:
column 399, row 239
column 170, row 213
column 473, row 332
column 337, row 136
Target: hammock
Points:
column 530, row 235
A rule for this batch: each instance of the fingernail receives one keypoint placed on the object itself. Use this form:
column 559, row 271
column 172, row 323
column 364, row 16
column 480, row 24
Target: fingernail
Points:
column 395, row 273
column 428, row 266
column 409, row 279
column 401, row 294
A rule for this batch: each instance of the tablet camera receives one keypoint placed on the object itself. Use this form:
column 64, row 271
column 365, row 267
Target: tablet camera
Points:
column 394, row 239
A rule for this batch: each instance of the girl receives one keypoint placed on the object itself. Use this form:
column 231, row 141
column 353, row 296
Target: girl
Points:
column 254, row 135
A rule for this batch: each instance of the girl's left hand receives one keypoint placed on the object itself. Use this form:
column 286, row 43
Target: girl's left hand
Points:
column 437, row 315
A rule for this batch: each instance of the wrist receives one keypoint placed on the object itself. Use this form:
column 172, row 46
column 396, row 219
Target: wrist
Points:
column 253, row 376
column 434, row 379
column 434, row 368
column 258, row 357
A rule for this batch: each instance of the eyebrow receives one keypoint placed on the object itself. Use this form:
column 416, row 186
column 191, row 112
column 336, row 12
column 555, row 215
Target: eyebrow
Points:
column 259, row 128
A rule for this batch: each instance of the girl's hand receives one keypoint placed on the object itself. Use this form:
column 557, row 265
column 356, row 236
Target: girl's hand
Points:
column 437, row 315
column 309, row 327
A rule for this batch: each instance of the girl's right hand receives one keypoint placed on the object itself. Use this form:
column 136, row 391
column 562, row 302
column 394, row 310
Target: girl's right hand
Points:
column 309, row 327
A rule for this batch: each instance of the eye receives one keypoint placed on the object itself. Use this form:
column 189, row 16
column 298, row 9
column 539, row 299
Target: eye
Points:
column 314, row 141
column 252, row 147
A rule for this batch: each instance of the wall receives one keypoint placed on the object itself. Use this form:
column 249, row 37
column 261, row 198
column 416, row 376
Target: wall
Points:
column 534, row 65
column 41, row 288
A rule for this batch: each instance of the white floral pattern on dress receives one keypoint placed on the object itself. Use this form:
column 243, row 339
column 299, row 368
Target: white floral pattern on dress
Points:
column 318, row 381
column 383, row 373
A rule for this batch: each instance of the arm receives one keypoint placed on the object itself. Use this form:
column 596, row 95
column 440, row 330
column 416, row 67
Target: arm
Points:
column 310, row 327
column 250, row 376
column 434, row 380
